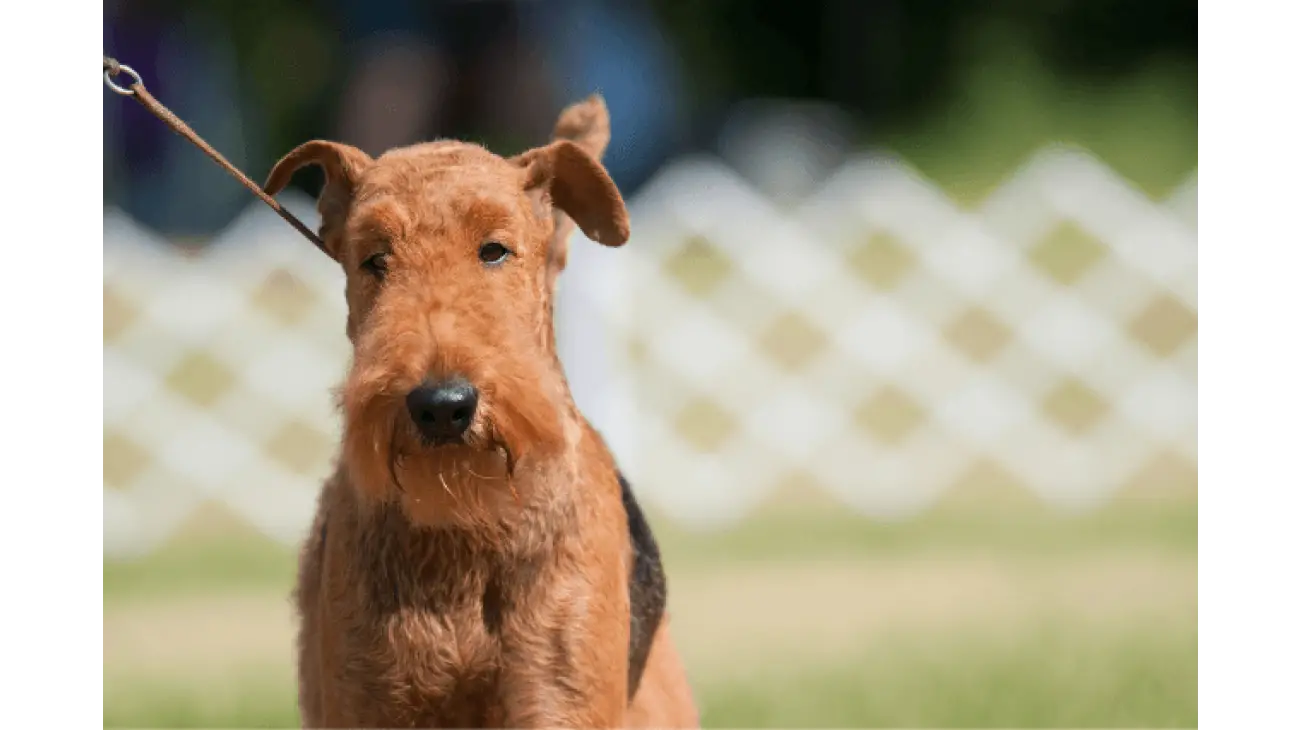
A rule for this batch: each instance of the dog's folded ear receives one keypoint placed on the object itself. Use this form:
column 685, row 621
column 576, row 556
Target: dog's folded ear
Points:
column 343, row 165
column 578, row 185
column 585, row 123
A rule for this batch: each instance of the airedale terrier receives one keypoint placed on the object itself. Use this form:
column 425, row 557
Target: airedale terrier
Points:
column 476, row 559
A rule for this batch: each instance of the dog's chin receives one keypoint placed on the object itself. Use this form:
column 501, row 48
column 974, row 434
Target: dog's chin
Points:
column 451, row 482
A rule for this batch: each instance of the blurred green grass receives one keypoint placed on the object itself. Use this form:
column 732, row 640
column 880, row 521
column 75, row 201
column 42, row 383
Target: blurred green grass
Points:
column 1051, row 676
column 1039, row 662
column 1039, row 676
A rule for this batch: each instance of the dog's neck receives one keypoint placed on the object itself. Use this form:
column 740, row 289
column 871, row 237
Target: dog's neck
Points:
column 399, row 534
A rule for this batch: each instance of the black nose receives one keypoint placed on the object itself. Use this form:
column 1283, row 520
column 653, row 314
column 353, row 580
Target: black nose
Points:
column 443, row 410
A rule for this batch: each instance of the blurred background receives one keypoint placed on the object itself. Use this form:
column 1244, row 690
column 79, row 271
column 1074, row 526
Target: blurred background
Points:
column 901, row 356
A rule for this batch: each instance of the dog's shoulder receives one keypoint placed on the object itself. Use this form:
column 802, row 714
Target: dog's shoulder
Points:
column 647, row 585
column 647, row 582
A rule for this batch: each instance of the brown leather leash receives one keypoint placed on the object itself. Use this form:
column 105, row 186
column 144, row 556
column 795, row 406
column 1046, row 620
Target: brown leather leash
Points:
column 136, row 90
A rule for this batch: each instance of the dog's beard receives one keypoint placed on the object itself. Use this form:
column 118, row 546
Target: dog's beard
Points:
column 451, row 483
column 410, row 453
column 471, row 481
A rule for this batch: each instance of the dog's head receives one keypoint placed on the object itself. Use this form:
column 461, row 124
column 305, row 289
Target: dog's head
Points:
column 450, row 256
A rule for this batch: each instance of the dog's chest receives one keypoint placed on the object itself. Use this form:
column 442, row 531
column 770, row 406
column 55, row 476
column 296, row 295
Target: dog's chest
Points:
column 441, row 667
column 425, row 637
column 438, row 649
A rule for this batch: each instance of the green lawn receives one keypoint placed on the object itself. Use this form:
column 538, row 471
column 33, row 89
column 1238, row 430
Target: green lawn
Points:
column 1040, row 676
column 980, row 613
column 1043, row 676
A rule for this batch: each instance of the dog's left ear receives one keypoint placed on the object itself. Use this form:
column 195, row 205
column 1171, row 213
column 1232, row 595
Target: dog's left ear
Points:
column 578, row 185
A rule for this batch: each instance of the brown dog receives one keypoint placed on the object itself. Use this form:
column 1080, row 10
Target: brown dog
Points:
column 476, row 559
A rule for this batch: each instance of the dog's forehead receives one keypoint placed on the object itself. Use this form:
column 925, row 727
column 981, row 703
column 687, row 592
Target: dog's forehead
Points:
column 440, row 165
column 434, row 181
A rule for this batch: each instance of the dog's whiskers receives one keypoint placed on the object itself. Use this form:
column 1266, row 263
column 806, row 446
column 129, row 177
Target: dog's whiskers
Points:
column 394, row 457
column 484, row 477
column 450, row 493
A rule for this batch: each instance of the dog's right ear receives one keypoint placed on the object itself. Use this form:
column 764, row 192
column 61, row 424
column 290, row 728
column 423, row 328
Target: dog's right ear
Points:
column 343, row 165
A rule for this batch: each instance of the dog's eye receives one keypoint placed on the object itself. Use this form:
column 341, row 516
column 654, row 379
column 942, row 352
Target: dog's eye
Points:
column 493, row 252
column 376, row 264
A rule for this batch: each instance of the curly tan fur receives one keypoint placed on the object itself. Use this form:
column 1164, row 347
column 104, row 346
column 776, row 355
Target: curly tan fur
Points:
column 482, row 584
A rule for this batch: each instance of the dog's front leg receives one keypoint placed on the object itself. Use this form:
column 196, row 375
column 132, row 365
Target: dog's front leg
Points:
column 566, row 659
column 555, row 687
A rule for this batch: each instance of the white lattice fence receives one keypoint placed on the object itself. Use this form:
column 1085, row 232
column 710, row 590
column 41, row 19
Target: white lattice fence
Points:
column 878, row 344
column 883, row 345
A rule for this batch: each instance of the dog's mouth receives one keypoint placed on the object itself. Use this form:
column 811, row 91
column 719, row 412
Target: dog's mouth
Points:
column 408, row 441
column 452, row 443
column 436, row 442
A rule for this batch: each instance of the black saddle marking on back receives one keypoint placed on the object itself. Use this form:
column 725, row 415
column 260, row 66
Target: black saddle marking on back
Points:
column 647, row 588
